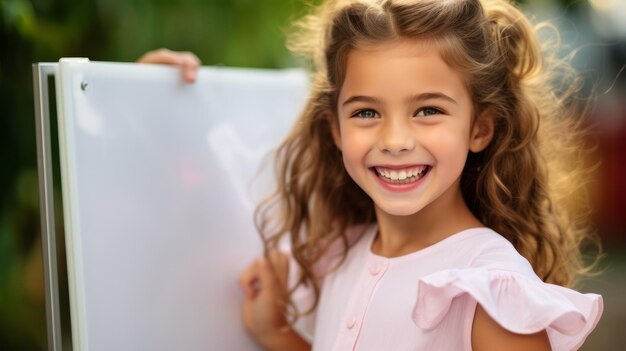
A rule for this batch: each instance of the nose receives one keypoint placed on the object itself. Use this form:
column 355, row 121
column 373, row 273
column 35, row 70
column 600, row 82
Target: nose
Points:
column 395, row 136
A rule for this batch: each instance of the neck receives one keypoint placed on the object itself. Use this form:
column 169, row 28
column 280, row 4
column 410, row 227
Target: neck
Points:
column 401, row 235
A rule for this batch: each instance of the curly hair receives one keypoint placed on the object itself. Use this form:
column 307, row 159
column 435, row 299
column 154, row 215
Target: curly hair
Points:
column 525, row 185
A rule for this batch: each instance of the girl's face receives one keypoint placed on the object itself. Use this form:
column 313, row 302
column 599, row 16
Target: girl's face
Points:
column 404, row 125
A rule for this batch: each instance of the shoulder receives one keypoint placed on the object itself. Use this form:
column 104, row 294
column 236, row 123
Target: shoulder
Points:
column 514, row 307
column 488, row 335
column 496, row 253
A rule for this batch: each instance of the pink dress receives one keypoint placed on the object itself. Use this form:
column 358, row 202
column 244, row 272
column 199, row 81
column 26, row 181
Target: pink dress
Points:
column 426, row 300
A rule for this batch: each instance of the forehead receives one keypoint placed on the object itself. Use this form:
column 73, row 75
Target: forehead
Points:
column 399, row 67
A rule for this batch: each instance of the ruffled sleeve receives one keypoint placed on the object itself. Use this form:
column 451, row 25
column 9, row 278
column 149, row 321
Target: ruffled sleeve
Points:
column 519, row 303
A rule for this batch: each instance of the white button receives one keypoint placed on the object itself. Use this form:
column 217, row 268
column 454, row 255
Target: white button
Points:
column 375, row 268
column 351, row 322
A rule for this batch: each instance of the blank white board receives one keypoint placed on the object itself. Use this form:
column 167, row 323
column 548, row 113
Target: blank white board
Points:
column 160, row 179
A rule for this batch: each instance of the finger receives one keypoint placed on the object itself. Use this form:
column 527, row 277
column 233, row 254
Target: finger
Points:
column 262, row 279
column 191, row 59
column 249, row 280
column 189, row 73
column 191, row 64
column 270, row 283
column 162, row 56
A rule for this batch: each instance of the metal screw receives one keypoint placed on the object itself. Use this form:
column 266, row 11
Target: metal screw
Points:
column 84, row 85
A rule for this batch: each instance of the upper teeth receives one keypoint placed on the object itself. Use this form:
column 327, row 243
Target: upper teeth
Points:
column 400, row 174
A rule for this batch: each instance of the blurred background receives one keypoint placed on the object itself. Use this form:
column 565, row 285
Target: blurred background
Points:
column 251, row 33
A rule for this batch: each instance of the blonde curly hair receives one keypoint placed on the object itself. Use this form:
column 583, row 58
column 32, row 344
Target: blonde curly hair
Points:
column 524, row 185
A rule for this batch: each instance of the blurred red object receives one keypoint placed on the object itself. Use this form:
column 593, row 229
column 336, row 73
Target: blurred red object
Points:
column 610, row 200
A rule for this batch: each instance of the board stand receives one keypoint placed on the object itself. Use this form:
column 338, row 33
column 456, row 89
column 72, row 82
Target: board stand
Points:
column 41, row 74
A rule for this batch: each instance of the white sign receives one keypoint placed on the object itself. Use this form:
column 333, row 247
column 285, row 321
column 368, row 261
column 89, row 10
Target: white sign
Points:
column 160, row 180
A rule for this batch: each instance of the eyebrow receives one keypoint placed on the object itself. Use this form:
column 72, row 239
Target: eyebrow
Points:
column 412, row 98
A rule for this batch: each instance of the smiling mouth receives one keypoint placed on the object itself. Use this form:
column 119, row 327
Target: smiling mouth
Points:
column 402, row 176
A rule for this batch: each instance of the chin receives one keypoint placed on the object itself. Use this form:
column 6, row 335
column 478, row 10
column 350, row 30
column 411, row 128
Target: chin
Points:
column 399, row 209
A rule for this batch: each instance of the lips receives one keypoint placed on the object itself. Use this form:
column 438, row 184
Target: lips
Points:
column 403, row 175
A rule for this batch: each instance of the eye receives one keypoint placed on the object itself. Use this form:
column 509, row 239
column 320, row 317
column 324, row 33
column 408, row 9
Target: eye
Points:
column 365, row 114
column 428, row 111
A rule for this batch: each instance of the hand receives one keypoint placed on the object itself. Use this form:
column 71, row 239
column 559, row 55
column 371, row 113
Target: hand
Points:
column 263, row 309
column 187, row 60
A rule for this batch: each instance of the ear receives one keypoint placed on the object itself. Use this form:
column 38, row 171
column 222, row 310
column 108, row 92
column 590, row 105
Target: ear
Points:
column 482, row 131
column 333, row 121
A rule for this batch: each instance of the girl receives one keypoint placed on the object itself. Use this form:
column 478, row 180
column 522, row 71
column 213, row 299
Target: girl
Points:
column 424, row 189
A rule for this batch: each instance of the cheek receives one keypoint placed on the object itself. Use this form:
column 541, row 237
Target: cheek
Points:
column 356, row 144
column 450, row 146
column 355, row 141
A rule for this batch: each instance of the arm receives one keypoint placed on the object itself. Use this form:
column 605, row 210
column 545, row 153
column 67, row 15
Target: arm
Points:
column 487, row 335
column 263, row 311
column 188, row 61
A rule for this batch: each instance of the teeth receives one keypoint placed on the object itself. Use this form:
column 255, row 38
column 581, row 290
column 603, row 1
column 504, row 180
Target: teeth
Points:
column 402, row 176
